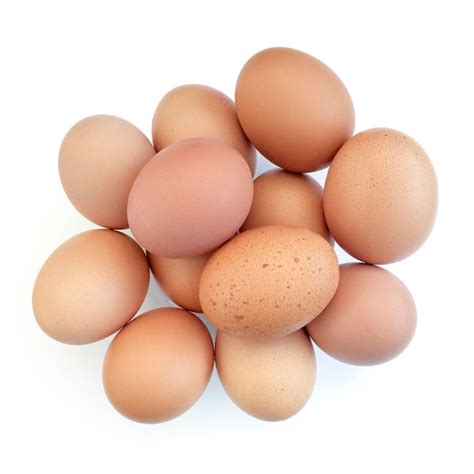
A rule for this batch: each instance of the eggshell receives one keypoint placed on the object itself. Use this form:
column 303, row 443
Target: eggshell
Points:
column 90, row 286
column 158, row 366
column 100, row 157
column 268, row 282
column 189, row 199
column 294, row 109
column 196, row 111
column 283, row 198
column 179, row 278
column 370, row 320
column 380, row 197
column 271, row 380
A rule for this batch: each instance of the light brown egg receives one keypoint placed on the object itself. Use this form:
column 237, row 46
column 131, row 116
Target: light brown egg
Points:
column 100, row 157
column 179, row 278
column 191, row 198
column 271, row 380
column 90, row 286
column 196, row 111
column 380, row 197
column 158, row 366
column 268, row 282
column 370, row 320
column 294, row 109
column 283, row 198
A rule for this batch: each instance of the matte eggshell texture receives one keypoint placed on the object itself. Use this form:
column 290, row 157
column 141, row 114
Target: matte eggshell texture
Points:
column 158, row 366
column 196, row 111
column 90, row 286
column 370, row 320
column 179, row 278
column 190, row 198
column 294, row 109
column 271, row 380
column 380, row 196
column 100, row 157
column 283, row 198
column 268, row 282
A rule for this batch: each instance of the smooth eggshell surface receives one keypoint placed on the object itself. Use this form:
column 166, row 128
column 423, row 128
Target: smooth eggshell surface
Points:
column 179, row 278
column 271, row 380
column 293, row 108
column 269, row 281
column 100, row 157
column 158, row 366
column 196, row 111
column 283, row 198
column 370, row 320
column 90, row 286
column 381, row 196
column 190, row 198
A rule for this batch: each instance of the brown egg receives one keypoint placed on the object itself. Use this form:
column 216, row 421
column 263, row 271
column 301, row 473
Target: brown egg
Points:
column 283, row 198
column 100, row 157
column 196, row 111
column 268, row 282
column 271, row 380
column 191, row 198
column 179, row 278
column 90, row 286
column 370, row 320
column 380, row 197
column 158, row 366
column 294, row 109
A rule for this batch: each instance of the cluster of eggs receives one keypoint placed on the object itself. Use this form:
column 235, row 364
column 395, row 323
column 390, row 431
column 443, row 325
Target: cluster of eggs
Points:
column 255, row 256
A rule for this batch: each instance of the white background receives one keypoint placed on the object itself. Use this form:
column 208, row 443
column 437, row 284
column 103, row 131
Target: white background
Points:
column 408, row 65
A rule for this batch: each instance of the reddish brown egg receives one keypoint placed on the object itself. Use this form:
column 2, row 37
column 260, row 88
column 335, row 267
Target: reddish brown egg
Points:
column 284, row 198
column 196, row 111
column 179, row 278
column 191, row 198
column 294, row 109
column 268, row 282
column 100, row 157
column 158, row 366
column 370, row 320
column 271, row 380
column 90, row 286
column 381, row 196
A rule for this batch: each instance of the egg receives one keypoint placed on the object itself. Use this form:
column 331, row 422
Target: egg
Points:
column 99, row 159
column 380, row 197
column 158, row 366
column 90, row 286
column 271, row 380
column 283, row 198
column 179, row 278
column 268, row 282
column 293, row 108
column 190, row 198
column 197, row 111
column 370, row 320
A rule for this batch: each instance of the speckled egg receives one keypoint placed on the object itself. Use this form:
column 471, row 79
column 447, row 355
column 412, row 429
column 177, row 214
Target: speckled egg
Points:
column 269, row 281
column 284, row 198
column 381, row 196
column 272, row 379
